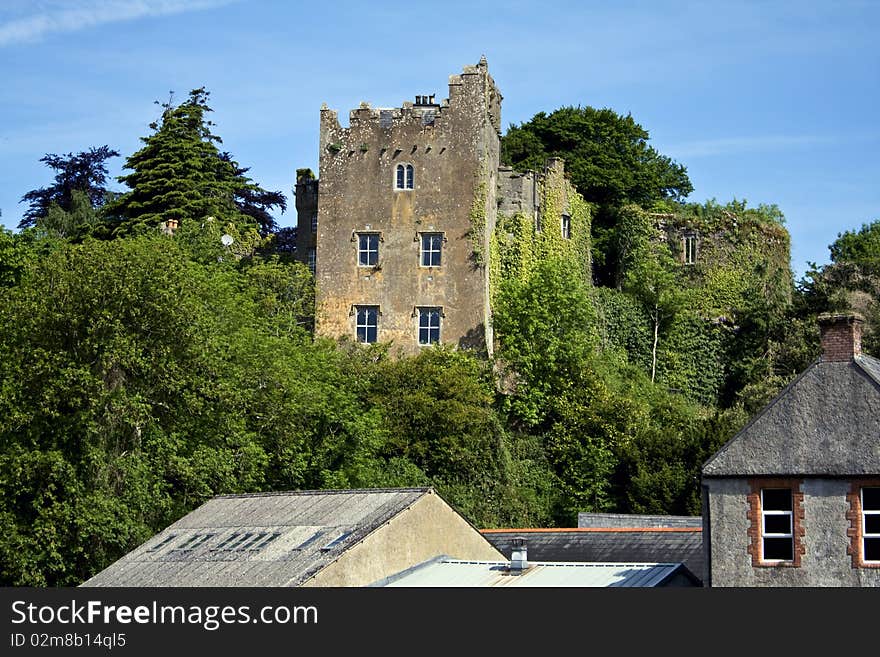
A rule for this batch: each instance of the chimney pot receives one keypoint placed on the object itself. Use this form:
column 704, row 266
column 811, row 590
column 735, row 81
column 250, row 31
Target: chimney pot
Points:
column 841, row 336
column 518, row 555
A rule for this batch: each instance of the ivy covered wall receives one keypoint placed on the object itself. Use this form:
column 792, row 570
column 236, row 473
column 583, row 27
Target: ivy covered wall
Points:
column 529, row 226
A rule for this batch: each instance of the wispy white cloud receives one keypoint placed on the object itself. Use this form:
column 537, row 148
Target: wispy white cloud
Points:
column 754, row 144
column 48, row 18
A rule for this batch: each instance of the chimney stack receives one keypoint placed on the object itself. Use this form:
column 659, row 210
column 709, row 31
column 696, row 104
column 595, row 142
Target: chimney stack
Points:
column 518, row 555
column 841, row 336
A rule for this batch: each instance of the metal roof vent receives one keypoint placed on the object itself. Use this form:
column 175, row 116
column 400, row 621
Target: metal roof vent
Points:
column 518, row 555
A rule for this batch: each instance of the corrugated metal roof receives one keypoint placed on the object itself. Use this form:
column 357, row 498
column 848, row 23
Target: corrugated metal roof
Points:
column 459, row 573
column 607, row 545
column 266, row 539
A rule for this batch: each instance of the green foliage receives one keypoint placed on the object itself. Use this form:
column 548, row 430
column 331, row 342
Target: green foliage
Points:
column 607, row 155
column 138, row 382
column 543, row 324
column 659, row 473
column 860, row 247
column 180, row 174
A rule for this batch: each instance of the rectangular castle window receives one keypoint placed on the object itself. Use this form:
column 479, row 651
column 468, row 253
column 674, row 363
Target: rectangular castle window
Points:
column 432, row 247
column 315, row 222
column 312, row 255
column 871, row 525
column 776, row 525
column 566, row 227
column 368, row 249
column 366, row 323
column 690, row 249
column 429, row 325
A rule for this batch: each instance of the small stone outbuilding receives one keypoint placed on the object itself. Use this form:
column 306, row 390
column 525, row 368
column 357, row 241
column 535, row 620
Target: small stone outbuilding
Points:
column 794, row 498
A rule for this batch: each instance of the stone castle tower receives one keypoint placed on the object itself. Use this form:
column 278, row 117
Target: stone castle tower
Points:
column 398, row 227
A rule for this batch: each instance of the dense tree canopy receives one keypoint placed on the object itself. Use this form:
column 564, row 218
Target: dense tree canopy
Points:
column 84, row 173
column 606, row 155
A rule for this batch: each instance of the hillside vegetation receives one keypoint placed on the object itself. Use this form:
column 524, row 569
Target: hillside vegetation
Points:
column 142, row 373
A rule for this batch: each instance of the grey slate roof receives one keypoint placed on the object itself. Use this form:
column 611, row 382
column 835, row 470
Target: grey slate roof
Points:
column 636, row 520
column 445, row 572
column 611, row 545
column 265, row 539
column 825, row 422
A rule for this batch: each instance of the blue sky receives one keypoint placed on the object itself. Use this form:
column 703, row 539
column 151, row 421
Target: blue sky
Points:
column 771, row 102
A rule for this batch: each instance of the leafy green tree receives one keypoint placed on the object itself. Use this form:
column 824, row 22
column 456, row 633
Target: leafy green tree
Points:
column 650, row 274
column 606, row 155
column 75, row 223
column 860, row 247
column 180, row 174
column 85, row 173
column 545, row 325
column 136, row 382
column 609, row 161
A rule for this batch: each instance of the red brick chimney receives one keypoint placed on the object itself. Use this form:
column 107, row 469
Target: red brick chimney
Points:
column 841, row 336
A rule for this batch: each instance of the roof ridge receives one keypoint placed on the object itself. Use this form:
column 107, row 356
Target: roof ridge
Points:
column 538, row 530
column 326, row 491
column 782, row 393
column 862, row 360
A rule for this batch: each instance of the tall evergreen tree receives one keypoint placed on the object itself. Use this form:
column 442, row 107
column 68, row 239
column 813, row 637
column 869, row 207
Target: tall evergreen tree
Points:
column 180, row 174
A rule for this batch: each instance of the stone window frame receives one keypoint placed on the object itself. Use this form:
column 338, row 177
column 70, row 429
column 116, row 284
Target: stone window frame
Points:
column 422, row 311
column 421, row 239
column 404, row 177
column 359, row 251
column 689, row 248
column 565, row 226
column 854, row 516
column 366, row 325
column 755, row 518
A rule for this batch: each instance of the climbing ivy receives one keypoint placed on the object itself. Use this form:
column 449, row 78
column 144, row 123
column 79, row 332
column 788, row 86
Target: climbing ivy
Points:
column 517, row 244
column 478, row 221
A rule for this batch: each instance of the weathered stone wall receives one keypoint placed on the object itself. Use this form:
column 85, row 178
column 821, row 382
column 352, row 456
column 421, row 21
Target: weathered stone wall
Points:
column 428, row 529
column 306, row 210
column 453, row 147
column 825, row 560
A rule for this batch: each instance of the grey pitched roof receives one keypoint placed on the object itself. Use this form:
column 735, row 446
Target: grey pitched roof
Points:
column 825, row 422
column 636, row 520
column 446, row 572
column 613, row 545
column 264, row 539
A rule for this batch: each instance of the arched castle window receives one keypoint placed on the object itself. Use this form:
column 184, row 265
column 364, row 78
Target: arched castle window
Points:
column 404, row 178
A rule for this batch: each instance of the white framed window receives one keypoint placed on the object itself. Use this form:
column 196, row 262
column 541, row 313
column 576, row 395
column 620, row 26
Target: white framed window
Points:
column 403, row 176
column 368, row 249
column 366, row 323
column 312, row 259
column 315, row 222
column 431, row 249
column 871, row 525
column 690, row 249
column 566, row 227
column 429, row 325
column 777, row 535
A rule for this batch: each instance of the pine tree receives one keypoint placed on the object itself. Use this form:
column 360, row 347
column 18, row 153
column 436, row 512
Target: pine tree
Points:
column 181, row 175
